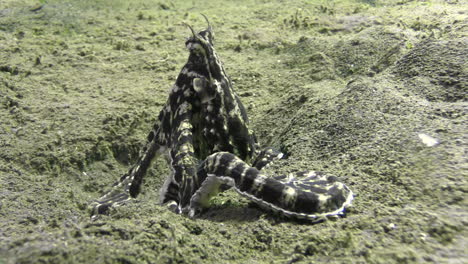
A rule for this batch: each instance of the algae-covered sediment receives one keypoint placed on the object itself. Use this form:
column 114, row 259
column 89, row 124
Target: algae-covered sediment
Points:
column 371, row 91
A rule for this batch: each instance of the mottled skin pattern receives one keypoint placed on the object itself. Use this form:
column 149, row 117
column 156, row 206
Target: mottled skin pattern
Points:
column 203, row 130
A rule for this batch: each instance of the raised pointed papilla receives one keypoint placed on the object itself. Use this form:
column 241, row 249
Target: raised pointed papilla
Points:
column 204, row 131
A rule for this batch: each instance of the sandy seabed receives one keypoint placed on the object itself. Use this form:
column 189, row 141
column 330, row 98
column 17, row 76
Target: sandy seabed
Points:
column 372, row 91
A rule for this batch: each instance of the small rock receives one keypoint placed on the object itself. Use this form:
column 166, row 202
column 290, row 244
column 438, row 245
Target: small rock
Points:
column 428, row 140
column 389, row 227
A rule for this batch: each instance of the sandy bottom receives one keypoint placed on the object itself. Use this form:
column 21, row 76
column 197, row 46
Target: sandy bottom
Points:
column 371, row 91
